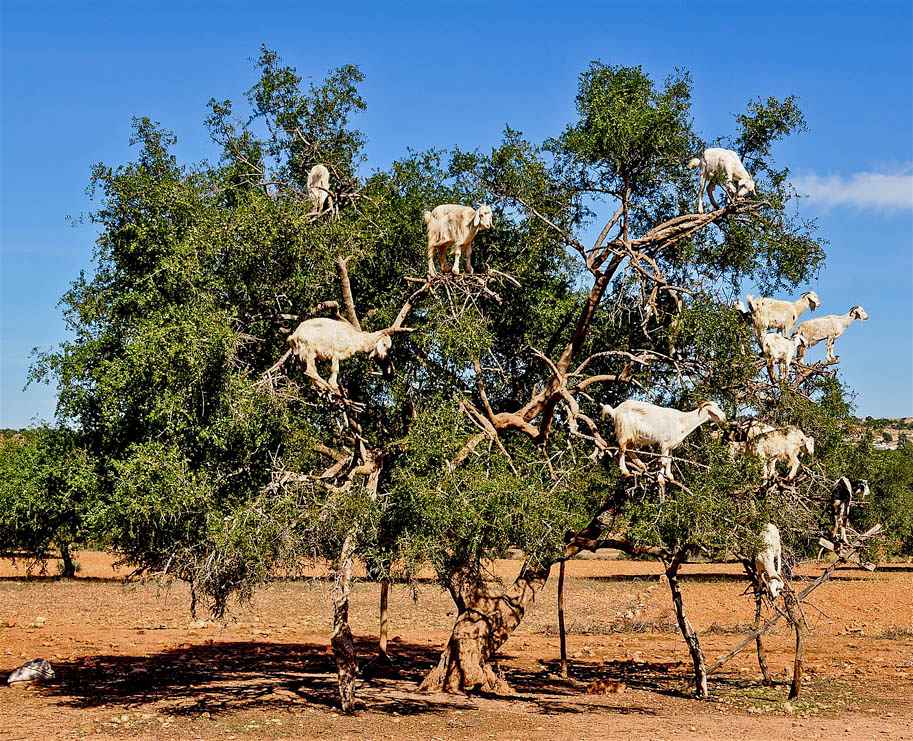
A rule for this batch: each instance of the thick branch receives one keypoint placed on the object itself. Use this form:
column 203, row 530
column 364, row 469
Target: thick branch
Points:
column 346, row 286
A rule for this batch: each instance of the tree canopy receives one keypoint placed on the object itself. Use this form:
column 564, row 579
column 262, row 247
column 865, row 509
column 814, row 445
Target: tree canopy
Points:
column 598, row 282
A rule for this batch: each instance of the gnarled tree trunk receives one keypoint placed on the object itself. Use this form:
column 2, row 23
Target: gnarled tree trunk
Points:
column 486, row 619
column 68, row 566
column 343, row 646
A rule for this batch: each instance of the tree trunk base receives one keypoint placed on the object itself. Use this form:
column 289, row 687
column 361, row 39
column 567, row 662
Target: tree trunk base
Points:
column 343, row 645
column 462, row 669
column 68, row 566
column 346, row 667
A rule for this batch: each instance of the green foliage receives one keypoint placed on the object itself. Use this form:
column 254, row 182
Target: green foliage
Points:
column 208, row 474
column 890, row 477
column 633, row 133
column 47, row 484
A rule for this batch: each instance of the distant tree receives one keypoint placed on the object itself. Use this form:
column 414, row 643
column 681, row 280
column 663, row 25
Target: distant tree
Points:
column 47, row 485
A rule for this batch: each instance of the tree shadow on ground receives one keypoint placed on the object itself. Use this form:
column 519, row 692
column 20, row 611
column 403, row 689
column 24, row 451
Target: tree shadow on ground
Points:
column 229, row 676
column 41, row 578
column 669, row 679
column 226, row 677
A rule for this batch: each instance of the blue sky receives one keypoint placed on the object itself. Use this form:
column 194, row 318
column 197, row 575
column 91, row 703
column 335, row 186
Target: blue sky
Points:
column 438, row 74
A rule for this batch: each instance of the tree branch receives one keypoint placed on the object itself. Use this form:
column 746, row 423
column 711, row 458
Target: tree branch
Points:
column 346, row 286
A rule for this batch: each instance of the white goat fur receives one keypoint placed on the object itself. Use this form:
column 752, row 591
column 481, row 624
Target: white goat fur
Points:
column 335, row 340
column 319, row 188
column 723, row 164
column 773, row 444
column 775, row 313
column 769, row 560
column 828, row 328
column 454, row 226
column 780, row 351
column 641, row 423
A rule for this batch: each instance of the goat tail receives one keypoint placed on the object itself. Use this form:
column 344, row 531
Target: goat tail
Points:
column 695, row 162
column 427, row 217
column 607, row 411
column 749, row 299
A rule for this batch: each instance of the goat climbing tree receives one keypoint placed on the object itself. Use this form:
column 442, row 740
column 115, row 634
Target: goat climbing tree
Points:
column 221, row 464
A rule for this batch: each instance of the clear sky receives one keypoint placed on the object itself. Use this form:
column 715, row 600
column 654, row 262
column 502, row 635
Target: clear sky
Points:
column 441, row 74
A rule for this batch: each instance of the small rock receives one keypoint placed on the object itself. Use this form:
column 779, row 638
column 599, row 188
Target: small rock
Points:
column 36, row 670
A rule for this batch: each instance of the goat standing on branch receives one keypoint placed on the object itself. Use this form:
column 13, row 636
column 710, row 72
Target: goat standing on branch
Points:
column 723, row 166
column 768, row 561
column 771, row 445
column 319, row 189
column 775, row 313
column 335, row 340
column 454, row 226
column 642, row 423
column 780, row 351
column 828, row 328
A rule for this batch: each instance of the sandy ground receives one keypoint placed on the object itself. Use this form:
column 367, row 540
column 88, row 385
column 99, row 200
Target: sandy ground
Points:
column 132, row 663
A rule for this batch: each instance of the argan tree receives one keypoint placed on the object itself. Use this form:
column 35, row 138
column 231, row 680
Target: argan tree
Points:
column 47, row 489
column 222, row 464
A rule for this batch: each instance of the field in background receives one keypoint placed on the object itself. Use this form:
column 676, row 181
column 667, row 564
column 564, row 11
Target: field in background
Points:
column 132, row 663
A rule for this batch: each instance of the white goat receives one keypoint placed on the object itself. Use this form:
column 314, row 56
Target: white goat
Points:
column 780, row 351
column 319, row 189
column 641, row 423
column 768, row 562
column 773, row 444
column 335, row 340
column 724, row 166
column 455, row 226
column 775, row 313
column 828, row 328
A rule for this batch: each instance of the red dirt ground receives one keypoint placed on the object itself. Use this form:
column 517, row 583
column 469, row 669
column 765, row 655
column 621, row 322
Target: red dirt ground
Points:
column 132, row 663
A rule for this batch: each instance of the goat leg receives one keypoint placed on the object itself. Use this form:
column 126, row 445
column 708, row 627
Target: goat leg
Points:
column 431, row 251
column 334, row 372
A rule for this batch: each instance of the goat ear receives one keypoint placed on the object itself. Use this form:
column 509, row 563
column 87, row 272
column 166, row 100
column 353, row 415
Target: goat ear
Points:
column 476, row 219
